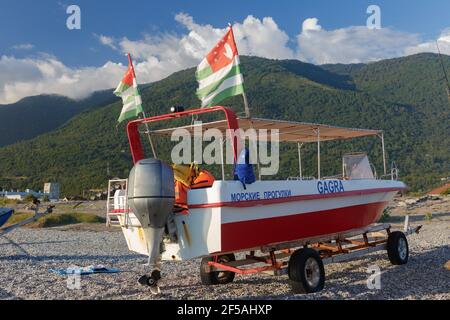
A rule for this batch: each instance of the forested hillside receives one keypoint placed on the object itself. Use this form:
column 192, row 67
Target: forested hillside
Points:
column 405, row 97
column 36, row 115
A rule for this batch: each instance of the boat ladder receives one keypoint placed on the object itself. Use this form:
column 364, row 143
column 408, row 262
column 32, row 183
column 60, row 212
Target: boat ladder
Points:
column 116, row 203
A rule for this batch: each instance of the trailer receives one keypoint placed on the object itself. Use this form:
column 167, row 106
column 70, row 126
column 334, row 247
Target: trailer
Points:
column 303, row 260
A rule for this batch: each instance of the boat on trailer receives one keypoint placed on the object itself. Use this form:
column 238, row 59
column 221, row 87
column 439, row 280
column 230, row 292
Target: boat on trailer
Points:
column 321, row 215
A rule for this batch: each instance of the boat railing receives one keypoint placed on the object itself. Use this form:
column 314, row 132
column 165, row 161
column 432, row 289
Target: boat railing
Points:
column 393, row 175
column 335, row 177
column 301, row 178
column 390, row 176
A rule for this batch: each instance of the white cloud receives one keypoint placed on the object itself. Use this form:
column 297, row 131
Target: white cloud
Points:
column 430, row 46
column 107, row 41
column 311, row 24
column 23, row 46
column 158, row 55
column 24, row 77
column 262, row 38
column 352, row 44
column 254, row 37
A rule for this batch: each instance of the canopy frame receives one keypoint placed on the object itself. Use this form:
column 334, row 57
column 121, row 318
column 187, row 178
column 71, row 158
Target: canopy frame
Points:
column 289, row 131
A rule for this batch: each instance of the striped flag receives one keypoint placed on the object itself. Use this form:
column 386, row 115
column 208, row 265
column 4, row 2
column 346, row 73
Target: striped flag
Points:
column 128, row 91
column 219, row 75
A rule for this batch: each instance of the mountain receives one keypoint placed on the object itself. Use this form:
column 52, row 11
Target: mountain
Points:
column 405, row 97
column 36, row 115
column 418, row 83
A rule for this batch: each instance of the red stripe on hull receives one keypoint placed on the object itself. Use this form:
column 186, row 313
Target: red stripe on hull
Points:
column 257, row 233
column 252, row 203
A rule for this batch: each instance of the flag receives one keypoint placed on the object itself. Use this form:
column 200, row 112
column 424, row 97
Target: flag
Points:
column 219, row 75
column 128, row 91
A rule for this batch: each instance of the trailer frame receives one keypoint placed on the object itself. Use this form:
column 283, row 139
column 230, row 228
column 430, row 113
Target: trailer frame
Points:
column 332, row 248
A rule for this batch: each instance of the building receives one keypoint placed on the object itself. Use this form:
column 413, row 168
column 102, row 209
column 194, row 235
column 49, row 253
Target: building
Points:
column 52, row 189
column 20, row 195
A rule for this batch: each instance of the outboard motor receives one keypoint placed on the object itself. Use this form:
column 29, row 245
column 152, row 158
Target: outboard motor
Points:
column 151, row 197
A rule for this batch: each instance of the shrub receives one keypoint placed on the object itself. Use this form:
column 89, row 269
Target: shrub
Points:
column 62, row 219
column 5, row 201
column 55, row 220
column 29, row 198
column 18, row 217
column 385, row 216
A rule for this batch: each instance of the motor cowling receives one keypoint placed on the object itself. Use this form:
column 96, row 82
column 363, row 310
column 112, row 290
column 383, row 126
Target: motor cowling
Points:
column 151, row 194
column 151, row 198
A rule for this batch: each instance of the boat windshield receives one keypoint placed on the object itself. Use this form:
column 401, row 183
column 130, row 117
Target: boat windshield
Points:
column 357, row 166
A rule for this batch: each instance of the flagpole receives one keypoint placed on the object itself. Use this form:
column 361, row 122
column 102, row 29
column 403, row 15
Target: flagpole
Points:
column 247, row 111
column 143, row 112
column 244, row 96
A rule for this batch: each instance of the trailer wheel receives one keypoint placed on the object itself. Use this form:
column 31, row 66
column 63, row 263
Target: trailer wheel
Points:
column 306, row 271
column 216, row 277
column 397, row 248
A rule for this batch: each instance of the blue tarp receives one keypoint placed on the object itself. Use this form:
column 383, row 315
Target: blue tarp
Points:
column 85, row 270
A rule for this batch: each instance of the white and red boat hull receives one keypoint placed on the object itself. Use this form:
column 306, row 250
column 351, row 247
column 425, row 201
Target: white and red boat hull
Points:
column 289, row 227
column 271, row 212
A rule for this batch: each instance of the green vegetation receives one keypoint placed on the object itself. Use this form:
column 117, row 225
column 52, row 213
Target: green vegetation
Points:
column 385, row 216
column 5, row 202
column 29, row 198
column 36, row 115
column 18, row 217
column 58, row 219
column 446, row 192
column 405, row 97
column 428, row 216
column 70, row 218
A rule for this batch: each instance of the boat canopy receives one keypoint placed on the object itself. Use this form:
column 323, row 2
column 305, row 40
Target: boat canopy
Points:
column 289, row 131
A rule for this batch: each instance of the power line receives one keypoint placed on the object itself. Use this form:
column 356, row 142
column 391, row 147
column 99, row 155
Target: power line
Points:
column 443, row 69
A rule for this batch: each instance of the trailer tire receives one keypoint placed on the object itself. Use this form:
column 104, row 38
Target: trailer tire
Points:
column 397, row 248
column 306, row 271
column 216, row 277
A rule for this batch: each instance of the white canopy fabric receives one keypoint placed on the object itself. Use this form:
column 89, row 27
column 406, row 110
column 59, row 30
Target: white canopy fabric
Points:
column 289, row 131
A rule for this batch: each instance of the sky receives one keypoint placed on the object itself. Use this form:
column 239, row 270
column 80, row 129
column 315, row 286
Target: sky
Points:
column 40, row 54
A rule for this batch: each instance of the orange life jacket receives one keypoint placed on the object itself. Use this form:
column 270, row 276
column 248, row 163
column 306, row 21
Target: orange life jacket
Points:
column 187, row 177
column 204, row 180
column 181, row 197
